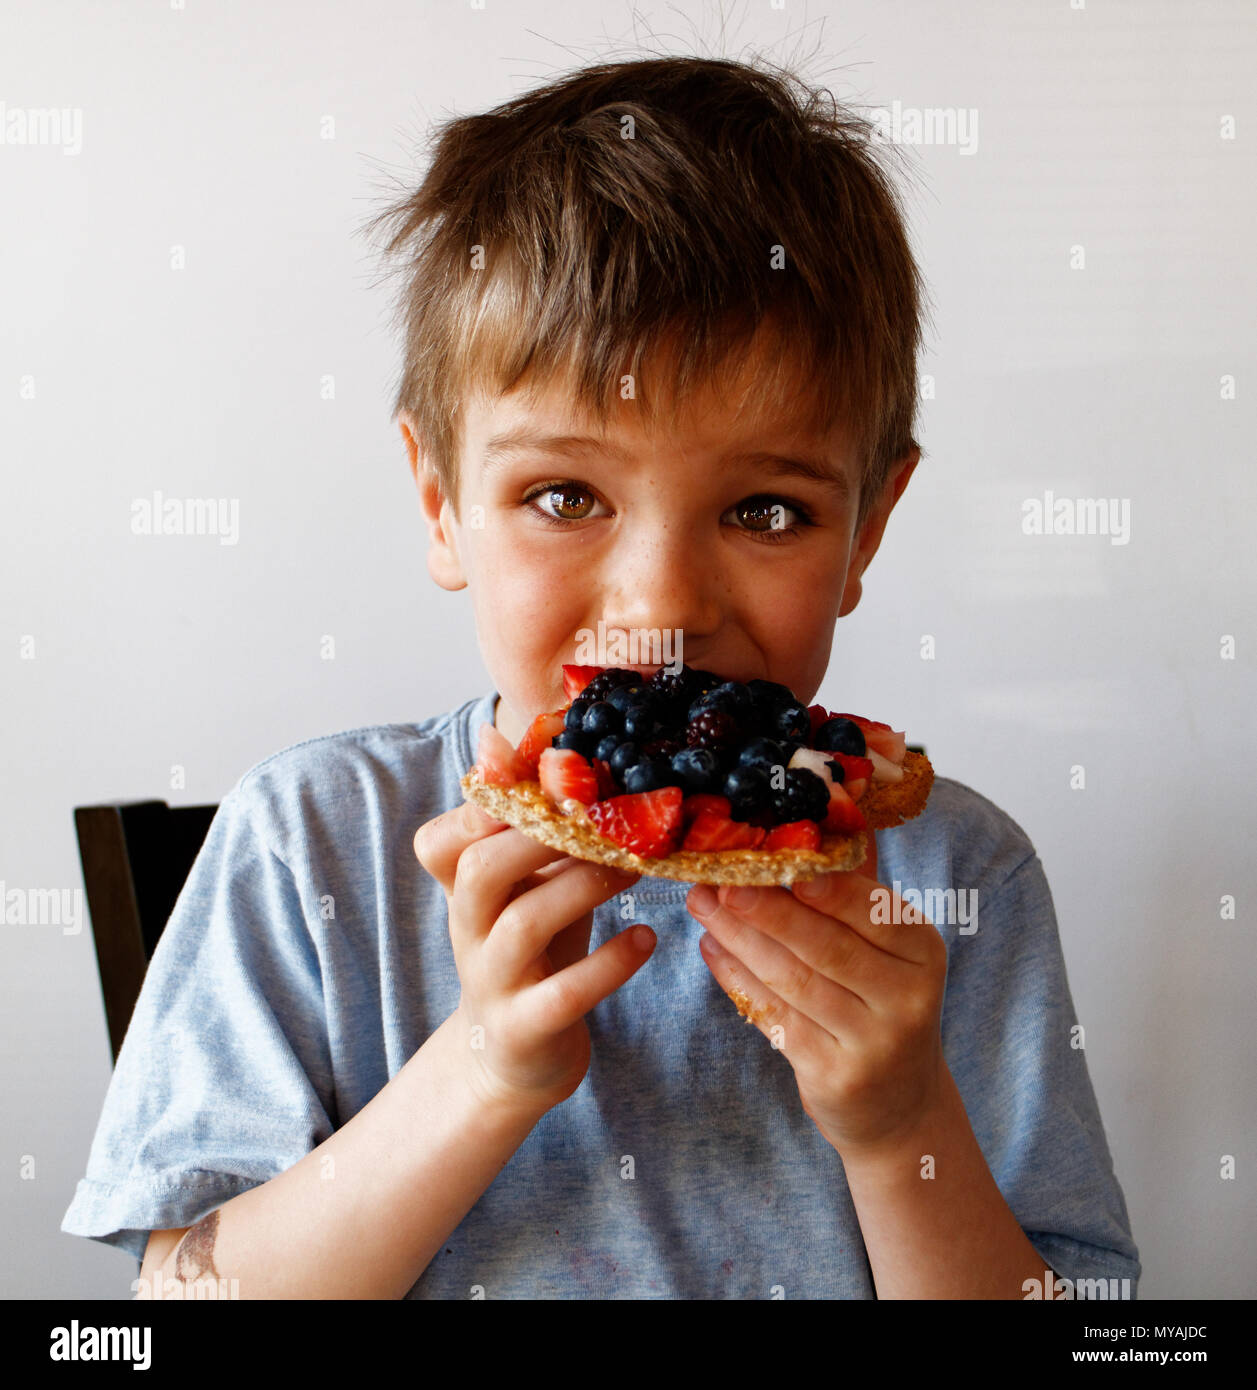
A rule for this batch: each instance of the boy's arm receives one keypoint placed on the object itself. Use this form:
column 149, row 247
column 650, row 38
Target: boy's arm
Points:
column 949, row 1236
column 362, row 1215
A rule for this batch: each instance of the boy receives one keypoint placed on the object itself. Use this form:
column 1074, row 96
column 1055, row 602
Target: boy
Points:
column 661, row 331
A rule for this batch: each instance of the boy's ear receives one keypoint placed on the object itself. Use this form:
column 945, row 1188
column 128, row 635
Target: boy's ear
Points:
column 444, row 563
column 870, row 536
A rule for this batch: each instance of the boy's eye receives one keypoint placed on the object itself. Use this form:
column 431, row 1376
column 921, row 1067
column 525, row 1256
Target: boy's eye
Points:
column 563, row 501
column 769, row 517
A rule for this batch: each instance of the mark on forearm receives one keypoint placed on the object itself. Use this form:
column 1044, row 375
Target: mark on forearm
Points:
column 195, row 1255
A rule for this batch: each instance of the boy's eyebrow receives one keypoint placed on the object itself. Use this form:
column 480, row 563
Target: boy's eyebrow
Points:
column 815, row 469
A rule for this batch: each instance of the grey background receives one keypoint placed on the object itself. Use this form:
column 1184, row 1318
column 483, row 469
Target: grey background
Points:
column 1099, row 127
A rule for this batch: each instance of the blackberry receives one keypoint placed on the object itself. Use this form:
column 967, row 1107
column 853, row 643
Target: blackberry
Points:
column 606, row 681
column 675, row 687
column 711, row 729
column 662, row 747
column 804, row 797
column 840, row 736
column 606, row 748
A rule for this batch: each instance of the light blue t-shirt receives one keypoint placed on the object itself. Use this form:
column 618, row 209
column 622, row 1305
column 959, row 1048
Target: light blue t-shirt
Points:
column 263, row 1025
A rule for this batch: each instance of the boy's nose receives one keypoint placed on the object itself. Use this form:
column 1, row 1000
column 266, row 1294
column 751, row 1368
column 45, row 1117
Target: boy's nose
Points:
column 666, row 584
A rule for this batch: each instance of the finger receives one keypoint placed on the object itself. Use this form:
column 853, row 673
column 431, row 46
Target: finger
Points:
column 815, row 964
column 487, row 878
column 803, row 1041
column 440, row 842
column 528, row 924
column 876, row 912
column 558, row 1002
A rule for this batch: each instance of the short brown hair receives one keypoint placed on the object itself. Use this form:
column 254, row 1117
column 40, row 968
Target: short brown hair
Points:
column 683, row 199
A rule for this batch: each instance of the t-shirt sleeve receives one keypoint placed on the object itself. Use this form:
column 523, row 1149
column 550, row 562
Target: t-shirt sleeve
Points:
column 1010, row 1034
column 223, row 1080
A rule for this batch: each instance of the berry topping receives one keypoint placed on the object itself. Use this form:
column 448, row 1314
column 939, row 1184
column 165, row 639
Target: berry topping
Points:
column 712, row 728
column 696, row 770
column 805, row 796
column 564, row 773
column 795, row 834
column 500, row 765
column 692, row 805
column 840, row 735
column 539, row 736
column 646, row 823
column 576, row 678
column 649, row 775
column 712, row 832
column 843, row 817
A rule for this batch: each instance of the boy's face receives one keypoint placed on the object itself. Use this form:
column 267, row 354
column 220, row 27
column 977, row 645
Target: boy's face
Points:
column 667, row 529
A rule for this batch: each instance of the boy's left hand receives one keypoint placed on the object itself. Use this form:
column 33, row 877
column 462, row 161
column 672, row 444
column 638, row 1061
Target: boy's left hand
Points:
column 854, row 1004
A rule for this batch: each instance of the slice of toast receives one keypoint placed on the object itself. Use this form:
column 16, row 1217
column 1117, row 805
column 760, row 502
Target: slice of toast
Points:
column 883, row 805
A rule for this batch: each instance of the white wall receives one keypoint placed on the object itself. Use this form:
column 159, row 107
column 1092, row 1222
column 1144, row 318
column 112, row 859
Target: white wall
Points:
column 1099, row 127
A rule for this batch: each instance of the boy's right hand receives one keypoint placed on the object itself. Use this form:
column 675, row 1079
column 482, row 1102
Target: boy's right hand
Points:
column 520, row 915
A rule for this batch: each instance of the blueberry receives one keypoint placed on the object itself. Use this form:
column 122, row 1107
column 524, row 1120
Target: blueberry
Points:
column 749, row 791
column 841, row 736
column 763, row 752
column 648, row 776
column 641, row 723
column 602, row 719
column 582, row 742
column 625, row 695
column 732, row 697
column 768, row 695
column 791, row 721
column 624, row 757
column 606, row 749
column 575, row 716
column 695, row 770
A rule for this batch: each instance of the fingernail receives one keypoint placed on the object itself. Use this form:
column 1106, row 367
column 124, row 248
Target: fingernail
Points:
column 739, row 899
column 810, row 888
column 702, row 900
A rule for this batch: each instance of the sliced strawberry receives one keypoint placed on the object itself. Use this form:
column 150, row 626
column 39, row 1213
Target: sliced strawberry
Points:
column 852, row 766
column 893, row 746
column 500, row 765
column 881, row 738
column 817, row 714
column 576, row 678
column 844, row 817
column 795, row 834
column 711, row 831
column 703, row 801
column 563, row 772
column 538, row 737
column 607, row 785
column 645, row 823
column 855, row 787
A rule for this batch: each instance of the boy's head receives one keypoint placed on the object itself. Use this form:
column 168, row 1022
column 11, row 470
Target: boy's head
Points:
column 687, row 262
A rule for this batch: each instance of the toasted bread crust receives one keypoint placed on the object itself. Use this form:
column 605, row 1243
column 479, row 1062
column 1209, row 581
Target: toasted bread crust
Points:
column 884, row 805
